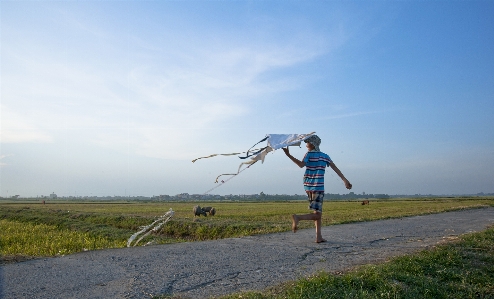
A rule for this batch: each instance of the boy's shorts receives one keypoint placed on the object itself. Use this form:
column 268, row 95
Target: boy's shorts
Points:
column 315, row 200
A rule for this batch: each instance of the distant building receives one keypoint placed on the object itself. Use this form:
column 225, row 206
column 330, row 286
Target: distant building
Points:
column 53, row 195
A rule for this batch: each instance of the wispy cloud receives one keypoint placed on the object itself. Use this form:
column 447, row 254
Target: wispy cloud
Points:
column 1, row 158
column 15, row 128
column 140, row 105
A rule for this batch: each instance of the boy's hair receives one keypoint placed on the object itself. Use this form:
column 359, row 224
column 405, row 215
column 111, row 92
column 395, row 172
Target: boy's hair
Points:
column 315, row 141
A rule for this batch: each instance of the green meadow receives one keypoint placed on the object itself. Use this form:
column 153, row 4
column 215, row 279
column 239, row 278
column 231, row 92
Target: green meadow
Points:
column 459, row 269
column 30, row 229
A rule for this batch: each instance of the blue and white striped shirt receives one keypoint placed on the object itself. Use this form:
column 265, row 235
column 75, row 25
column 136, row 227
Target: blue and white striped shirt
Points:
column 315, row 167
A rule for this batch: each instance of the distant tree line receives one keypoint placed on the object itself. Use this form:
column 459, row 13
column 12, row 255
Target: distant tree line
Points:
column 239, row 197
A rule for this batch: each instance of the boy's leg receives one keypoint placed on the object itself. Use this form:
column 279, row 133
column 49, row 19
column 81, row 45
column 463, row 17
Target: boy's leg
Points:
column 316, row 216
column 315, row 204
column 316, row 201
column 318, row 224
column 297, row 218
column 313, row 216
column 294, row 223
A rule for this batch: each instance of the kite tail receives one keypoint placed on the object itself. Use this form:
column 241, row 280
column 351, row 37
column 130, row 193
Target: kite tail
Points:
column 231, row 154
column 253, row 153
column 232, row 175
column 238, row 171
column 210, row 156
column 257, row 151
column 279, row 141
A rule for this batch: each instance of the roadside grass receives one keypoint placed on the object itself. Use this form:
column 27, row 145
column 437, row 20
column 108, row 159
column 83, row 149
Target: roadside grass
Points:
column 112, row 223
column 460, row 269
column 46, row 240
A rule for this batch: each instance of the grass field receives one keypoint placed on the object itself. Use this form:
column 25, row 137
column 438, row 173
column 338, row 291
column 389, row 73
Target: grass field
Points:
column 30, row 229
column 461, row 269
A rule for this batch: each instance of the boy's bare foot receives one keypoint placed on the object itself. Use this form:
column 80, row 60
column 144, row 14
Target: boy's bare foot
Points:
column 321, row 241
column 294, row 223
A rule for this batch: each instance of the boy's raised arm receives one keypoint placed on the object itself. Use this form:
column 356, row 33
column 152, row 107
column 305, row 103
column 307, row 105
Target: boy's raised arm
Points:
column 295, row 160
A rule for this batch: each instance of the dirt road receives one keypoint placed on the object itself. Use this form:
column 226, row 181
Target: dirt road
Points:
column 212, row 268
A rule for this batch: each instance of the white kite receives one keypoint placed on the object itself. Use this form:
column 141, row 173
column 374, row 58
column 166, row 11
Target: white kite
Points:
column 274, row 142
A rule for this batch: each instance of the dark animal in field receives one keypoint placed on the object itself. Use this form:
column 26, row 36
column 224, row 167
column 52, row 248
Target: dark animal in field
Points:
column 198, row 211
column 365, row 202
column 209, row 210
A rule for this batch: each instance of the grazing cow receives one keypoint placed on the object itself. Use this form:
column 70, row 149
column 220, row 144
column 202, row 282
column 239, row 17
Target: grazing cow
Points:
column 365, row 202
column 198, row 211
column 209, row 210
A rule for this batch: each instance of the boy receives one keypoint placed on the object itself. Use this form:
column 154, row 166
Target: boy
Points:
column 315, row 163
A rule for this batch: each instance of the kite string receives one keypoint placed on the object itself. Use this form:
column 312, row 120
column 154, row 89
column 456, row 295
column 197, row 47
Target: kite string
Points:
column 225, row 181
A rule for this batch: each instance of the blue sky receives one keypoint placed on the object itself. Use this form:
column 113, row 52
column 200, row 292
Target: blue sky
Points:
column 117, row 97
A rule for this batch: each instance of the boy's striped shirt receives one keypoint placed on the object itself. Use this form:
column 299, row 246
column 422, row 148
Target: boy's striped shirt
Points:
column 315, row 167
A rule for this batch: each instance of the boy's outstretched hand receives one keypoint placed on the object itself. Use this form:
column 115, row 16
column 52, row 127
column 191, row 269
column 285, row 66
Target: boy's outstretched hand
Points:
column 348, row 185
